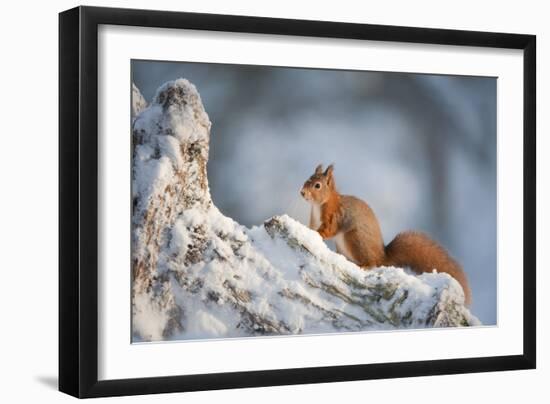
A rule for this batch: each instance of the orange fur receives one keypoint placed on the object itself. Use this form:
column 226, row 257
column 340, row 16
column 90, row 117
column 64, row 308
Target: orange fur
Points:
column 355, row 228
column 422, row 254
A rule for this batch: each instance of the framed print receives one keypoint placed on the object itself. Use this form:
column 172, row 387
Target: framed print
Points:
column 251, row 201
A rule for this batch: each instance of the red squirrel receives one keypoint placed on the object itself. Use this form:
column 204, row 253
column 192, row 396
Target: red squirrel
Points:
column 356, row 232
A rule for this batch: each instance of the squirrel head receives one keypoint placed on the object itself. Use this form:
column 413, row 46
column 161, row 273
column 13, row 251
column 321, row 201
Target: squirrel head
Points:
column 320, row 186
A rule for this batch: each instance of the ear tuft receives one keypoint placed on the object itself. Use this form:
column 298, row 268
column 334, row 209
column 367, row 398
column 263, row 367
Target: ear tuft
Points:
column 329, row 176
column 319, row 169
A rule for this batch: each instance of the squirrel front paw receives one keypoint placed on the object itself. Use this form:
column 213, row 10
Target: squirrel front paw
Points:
column 323, row 233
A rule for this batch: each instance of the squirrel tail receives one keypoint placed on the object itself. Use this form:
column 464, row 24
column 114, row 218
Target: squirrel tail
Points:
column 420, row 253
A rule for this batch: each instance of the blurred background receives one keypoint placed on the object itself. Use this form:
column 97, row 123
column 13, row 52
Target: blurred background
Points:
column 419, row 148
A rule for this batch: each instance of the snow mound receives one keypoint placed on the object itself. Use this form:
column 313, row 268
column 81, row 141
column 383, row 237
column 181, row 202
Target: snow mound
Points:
column 138, row 101
column 199, row 274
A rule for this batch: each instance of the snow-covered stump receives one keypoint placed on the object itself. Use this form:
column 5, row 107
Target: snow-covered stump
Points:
column 197, row 273
column 170, row 140
column 138, row 101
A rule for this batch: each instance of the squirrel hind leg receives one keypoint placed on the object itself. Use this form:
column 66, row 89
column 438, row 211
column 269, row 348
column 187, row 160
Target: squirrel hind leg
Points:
column 365, row 255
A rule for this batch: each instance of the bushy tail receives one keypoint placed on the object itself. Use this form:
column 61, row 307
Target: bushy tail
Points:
column 420, row 253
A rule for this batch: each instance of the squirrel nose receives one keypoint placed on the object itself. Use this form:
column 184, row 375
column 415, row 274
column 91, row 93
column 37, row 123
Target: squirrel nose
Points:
column 303, row 192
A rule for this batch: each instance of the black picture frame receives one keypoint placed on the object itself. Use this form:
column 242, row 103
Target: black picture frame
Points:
column 78, row 201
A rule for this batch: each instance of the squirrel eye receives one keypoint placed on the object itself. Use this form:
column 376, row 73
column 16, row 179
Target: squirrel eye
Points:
column 318, row 185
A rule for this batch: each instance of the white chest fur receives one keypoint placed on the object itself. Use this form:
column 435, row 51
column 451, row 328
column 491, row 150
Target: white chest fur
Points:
column 342, row 248
column 315, row 216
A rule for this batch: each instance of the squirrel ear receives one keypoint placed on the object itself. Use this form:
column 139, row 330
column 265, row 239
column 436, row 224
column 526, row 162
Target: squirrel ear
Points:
column 319, row 169
column 328, row 174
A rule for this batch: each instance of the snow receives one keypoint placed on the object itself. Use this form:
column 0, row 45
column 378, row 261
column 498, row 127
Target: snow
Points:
column 138, row 102
column 184, row 114
column 200, row 274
